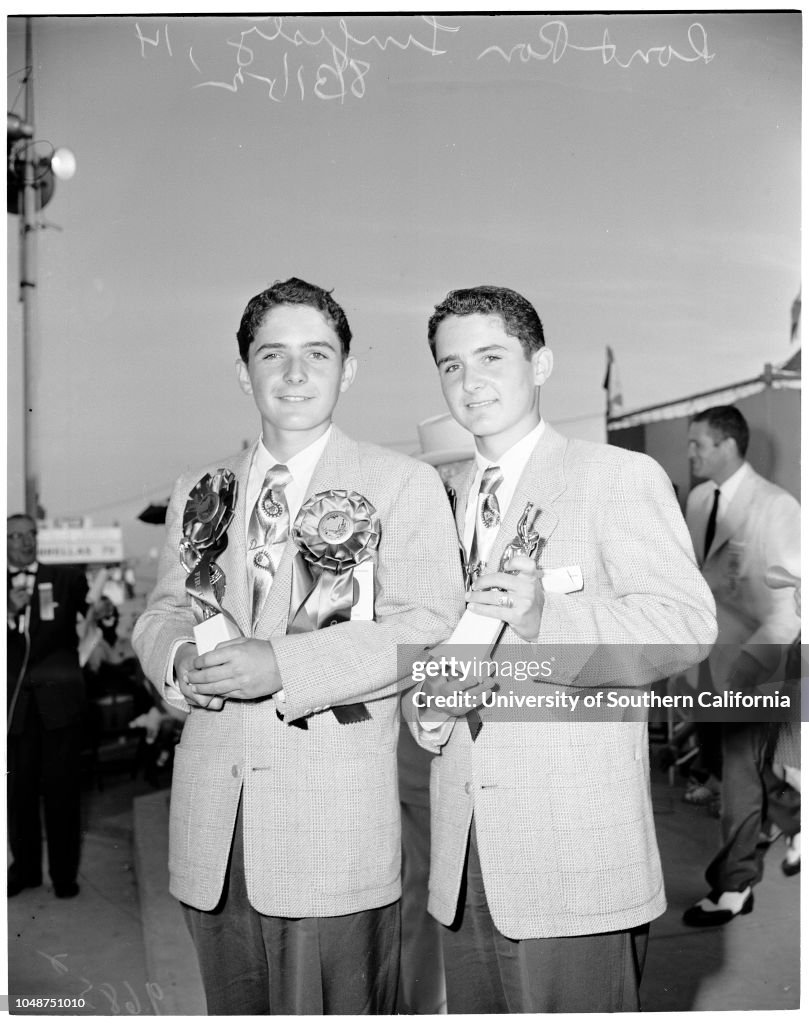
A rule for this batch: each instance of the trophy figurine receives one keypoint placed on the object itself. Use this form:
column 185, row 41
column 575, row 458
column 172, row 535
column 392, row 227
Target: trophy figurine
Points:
column 527, row 541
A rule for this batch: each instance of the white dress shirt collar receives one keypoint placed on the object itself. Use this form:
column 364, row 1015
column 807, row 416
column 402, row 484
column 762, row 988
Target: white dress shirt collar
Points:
column 300, row 466
column 729, row 488
column 514, row 460
column 511, row 463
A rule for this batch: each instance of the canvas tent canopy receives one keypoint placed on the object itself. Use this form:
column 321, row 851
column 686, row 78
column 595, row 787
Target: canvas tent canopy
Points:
column 770, row 403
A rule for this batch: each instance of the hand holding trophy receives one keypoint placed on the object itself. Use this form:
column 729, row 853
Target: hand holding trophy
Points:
column 208, row 514
column 511, row 597
column 514, row 594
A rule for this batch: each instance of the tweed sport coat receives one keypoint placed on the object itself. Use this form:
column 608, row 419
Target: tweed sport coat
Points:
column 321, row 807
column 760, row 528
column 562, row 807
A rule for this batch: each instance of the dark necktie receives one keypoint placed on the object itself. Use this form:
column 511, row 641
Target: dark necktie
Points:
column 710, row 531
column 269, row 525
column 487, row 517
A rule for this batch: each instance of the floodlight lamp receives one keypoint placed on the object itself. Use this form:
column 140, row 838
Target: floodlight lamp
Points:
column 63, row 163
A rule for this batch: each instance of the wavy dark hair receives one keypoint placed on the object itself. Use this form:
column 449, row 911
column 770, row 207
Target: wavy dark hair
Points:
column 519, row 317
column 293, row 292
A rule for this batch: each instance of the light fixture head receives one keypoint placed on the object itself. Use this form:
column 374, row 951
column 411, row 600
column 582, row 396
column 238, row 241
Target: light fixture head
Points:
column 63, row 163
column 17, row 128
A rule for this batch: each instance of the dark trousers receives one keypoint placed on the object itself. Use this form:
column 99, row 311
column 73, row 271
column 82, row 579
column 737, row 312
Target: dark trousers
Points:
column 489, row 973
column 46, row 764
column 255, row 964
column 709, row 759
column 709, row 736
column 421, row 983
column 750, row 795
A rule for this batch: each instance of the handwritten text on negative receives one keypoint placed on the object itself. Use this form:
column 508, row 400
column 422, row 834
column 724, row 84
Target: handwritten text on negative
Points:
column 289, row 62
column 554, row 44
column 293, row 58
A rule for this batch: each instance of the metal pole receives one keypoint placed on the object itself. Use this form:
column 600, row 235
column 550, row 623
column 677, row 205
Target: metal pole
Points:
column 28, row 297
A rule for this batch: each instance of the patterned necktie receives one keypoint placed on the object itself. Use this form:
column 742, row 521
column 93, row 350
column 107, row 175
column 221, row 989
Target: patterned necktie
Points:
column 269, row 525
column 487, row 517
column 711, row 528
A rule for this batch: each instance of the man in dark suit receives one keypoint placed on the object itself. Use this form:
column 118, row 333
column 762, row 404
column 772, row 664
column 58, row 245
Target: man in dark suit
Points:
column 45, row 706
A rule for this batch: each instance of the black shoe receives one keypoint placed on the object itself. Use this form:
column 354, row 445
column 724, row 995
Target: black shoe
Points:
column 16, row 883
column 66, row 891
column 700, row 916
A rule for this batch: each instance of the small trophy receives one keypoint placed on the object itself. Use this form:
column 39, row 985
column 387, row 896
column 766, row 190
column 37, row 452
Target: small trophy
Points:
column 480, row 629
column 527, row 541
column 208, row 514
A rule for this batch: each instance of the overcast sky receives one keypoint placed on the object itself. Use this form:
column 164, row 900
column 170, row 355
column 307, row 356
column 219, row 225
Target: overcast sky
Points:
column 653, row 207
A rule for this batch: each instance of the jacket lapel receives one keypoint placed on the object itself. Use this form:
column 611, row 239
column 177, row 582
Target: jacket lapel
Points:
column 541, row 483
column 337, row 469
column 730, row 521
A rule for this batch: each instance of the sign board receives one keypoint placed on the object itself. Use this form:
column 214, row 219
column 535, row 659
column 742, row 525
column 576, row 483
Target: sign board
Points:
column 78, row 546
column 71, row 522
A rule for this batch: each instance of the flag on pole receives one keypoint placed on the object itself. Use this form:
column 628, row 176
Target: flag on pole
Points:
column 612, row 385
column 795, row 320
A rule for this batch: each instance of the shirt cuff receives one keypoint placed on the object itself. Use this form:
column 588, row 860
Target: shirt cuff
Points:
column 171, row 688
column 437, row 729
column 435, row 734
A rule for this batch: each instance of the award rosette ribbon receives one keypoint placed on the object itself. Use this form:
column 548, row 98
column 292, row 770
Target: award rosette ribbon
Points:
column 207, row 516
column 334, row 533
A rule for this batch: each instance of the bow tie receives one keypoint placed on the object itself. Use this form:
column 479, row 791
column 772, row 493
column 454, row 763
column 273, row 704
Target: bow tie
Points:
column 19, row 578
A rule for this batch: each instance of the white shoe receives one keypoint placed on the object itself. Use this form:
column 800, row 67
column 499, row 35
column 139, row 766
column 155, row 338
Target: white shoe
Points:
column 791, row 864
column 708, row 912
column 732, row 901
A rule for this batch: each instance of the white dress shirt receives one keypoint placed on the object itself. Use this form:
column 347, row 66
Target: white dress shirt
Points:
column 300, row 466
column 727, row 490
column 511, row 463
